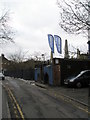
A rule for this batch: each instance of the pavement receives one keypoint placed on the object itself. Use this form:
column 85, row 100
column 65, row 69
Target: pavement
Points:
column 78, row 95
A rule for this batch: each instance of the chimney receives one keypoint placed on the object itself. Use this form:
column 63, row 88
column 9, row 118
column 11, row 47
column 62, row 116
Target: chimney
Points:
column 66, row 55
column 2, row 55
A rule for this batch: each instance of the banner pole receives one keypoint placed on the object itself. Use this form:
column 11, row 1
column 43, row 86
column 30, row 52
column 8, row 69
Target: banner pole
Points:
column 51, row 57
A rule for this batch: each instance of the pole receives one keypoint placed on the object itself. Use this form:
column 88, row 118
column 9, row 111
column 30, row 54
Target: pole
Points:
column 89, row 28
column 51, row 57
column 89, row 51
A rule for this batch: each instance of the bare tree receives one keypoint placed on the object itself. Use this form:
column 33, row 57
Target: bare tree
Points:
column 38, row 56
column 6, row 32
column 18, row 56
column 74, row 15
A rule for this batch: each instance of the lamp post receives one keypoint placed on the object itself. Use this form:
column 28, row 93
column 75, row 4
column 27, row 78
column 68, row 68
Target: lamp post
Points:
column 43, row 56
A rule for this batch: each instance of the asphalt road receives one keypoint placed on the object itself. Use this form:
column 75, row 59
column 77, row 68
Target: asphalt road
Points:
column 24, row 100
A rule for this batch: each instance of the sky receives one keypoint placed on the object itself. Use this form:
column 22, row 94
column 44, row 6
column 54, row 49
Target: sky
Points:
column 32, row 21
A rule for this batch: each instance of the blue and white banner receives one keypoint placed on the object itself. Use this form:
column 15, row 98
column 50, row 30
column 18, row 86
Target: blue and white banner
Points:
column 58, row 43
column 51, row 42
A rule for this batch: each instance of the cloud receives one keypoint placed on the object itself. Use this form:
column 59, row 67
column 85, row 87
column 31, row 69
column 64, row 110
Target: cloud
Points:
column 33, row 20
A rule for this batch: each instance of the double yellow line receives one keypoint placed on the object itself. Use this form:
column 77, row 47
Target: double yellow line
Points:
column 15, row 101
column 70, row 101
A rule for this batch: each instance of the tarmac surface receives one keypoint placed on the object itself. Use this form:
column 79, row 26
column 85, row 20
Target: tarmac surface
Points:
column 28, row 99
column 80, row 95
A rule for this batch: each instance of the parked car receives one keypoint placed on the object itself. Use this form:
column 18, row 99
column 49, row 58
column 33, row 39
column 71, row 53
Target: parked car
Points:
column 80, row 80
column 2, row 77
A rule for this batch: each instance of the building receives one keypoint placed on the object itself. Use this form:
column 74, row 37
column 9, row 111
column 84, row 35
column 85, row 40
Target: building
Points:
column 3, row 63
column 14, row 69
column 55, row 73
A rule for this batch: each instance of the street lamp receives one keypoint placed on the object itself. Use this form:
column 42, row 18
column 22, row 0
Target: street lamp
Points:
column 43, row 56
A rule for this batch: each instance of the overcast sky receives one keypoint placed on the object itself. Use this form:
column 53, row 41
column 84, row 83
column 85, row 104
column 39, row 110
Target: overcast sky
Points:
column 33, row 20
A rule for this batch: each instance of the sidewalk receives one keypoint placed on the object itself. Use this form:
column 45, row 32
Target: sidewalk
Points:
column 41, row 85
column 77, row 95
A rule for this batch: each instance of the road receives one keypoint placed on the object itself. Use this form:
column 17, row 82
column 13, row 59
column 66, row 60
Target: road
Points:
column 24, row 100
